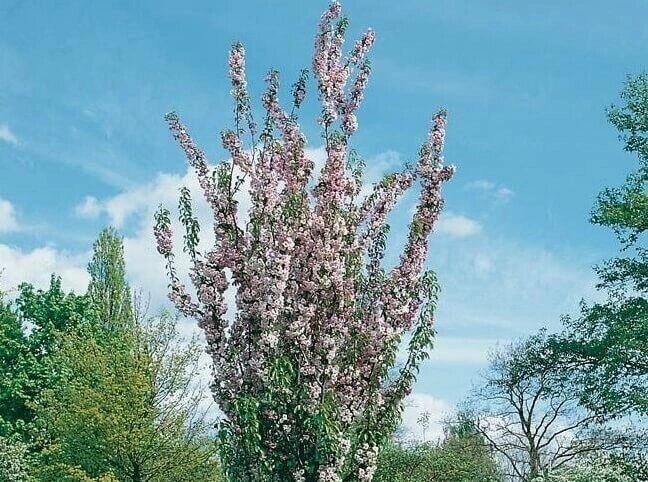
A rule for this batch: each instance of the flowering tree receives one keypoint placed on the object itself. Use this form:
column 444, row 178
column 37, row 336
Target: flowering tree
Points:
column 305, row 372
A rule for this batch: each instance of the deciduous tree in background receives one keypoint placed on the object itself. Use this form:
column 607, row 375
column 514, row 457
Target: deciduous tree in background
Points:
column 605, row 347
column 108, row 288
column 30, row 330
column 128, row 406
column 530, row 414
column 13, row 460
column 15, row 368
column 304, row 373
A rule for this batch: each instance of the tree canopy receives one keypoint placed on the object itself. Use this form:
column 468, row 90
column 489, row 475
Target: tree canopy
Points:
column 605, row 347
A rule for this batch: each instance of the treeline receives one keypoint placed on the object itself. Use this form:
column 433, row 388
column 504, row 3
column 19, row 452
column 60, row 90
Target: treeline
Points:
column 92, row 388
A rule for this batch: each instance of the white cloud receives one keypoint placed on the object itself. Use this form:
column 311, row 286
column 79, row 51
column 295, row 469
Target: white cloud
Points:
column 457, row 225
column 144, row 200
column 37, row 265
column 488, row 188
column 8, row 219
column 6, row 135
column 418, row 404
column 136, row 202
column 140, row 202
column 89, row 208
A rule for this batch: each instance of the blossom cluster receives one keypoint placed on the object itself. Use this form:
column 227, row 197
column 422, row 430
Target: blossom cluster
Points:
column 304, row 368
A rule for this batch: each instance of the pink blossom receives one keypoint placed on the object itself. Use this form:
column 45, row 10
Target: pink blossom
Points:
column 362, row 46
column 310, row 288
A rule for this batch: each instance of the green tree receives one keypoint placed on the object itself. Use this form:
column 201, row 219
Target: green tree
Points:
column 129, row 408
column 14, row 367
column 29, row 335
column 589, row 469
column 108, row 288
column 605, row 347
column 462, row 456
column 530, row 413
column 13, row 461
column 467, row 456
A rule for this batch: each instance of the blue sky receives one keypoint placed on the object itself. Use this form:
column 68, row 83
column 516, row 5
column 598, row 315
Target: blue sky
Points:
column 84, row 86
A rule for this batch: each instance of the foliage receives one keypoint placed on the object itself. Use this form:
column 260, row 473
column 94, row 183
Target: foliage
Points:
column 463, row 456
column 605, row 348
column 634, row 462
column 589, row 470
column 29, row 331
column 52, row 312
column 14, row 367
column 127, row 406
column 625, row 209
column 13, row 461
column 305, row 371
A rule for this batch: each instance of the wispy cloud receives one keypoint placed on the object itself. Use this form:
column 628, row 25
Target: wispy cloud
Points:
column 7, row 135
column 458, row 226
column 499, row 287
column 8, row 218
column 480, row 185
column 503, row 194
column 490, row 189
column 90, row 208
column 462, row 349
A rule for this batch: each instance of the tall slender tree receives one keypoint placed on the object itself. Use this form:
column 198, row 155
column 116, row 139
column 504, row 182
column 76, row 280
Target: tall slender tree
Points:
column 108, row 289
column 305, row 372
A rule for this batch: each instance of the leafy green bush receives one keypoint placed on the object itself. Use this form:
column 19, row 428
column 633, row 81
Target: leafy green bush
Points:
column 461, row 457
column 13, row 461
